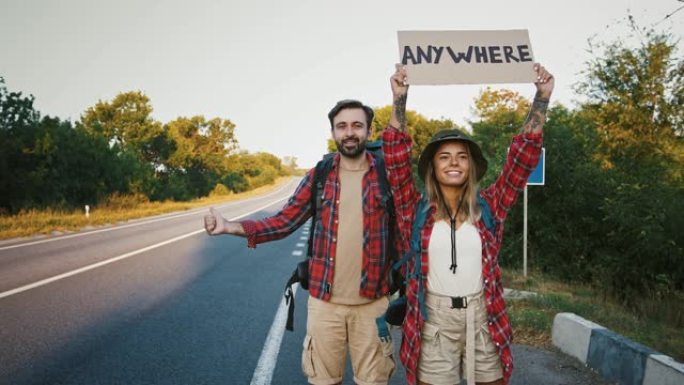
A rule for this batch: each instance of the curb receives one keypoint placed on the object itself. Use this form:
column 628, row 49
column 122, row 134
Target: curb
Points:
column 518, row 294
column 613, row 356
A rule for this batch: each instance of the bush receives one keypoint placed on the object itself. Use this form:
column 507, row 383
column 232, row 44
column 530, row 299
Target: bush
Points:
column 267, row 175
column 119, row 201
column 220, row 190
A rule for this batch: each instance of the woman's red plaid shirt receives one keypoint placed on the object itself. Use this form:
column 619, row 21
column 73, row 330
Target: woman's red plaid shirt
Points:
column 523, row 156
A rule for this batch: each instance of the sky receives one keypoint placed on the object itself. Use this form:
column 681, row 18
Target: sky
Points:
column 275, row 68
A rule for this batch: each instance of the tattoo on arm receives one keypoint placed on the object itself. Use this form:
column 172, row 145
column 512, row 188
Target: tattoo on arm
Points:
column 400, row 111
column 536, row 117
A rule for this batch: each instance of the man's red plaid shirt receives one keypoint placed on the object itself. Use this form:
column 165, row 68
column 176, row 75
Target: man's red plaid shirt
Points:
column 501, row 195
column 376, row 222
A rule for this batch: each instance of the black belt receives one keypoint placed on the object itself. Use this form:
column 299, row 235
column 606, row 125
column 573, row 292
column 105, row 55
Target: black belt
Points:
column 459, row 302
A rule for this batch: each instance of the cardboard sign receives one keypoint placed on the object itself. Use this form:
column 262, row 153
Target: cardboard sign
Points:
column 467, row 57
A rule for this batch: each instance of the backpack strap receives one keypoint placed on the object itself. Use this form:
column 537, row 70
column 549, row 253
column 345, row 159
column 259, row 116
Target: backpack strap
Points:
column 396, row 310
column 320, row 175
column 417, row 250
column 375, row 148
column 486, row 213
column 300, row 274
column 289, row 301
column 418, row 223
column 392, row 256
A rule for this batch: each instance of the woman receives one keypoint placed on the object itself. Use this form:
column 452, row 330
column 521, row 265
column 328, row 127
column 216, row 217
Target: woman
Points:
column 456, row 315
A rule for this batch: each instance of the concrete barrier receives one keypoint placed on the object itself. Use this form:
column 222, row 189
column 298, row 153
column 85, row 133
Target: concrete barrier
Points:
column 572, row 334
column 663, row 370
column 617, row 358
column 613, row 356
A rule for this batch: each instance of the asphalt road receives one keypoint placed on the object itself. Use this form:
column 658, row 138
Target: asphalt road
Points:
column 157, row 301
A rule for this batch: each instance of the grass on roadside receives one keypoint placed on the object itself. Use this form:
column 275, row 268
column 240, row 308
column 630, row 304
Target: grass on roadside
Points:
column 532, row 318
column 36, row 222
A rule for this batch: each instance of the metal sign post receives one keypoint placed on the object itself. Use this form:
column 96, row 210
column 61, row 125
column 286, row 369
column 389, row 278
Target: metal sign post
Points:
column 525, row 234
column 536, row 178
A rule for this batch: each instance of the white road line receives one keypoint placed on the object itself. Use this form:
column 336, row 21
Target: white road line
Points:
column 193, row 212
column 263, row 374
column 299, row 245
column 303, row 238
column 297, row 253
column 120, row 257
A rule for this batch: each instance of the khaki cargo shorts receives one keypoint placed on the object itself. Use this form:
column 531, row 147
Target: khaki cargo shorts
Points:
column 443, row 343
column 331, row 329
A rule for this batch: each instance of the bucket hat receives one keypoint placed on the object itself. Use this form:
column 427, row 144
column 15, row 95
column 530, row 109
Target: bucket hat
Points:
column 445, row 136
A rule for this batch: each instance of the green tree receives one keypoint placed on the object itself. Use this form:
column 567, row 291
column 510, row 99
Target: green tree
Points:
column 257, row 169
column 127, row 125
column 126, row 121
column 197, row 161
column 635, row 100
column 49, row 163
column 235, row 176
column 564, row 213
column 500, row 115
column 73, row 168
column 18, row 120
column 635, row 96
column 608, row 212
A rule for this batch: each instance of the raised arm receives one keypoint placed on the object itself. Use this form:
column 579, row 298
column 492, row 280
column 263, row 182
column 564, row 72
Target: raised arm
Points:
column 537, row 115
column 399, row 95
column 396, row 146
column 524, row 152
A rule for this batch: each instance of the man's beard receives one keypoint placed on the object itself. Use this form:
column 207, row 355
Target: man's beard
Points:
column 353, row 152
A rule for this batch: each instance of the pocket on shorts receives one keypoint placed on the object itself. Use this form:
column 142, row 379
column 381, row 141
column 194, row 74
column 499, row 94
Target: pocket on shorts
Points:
column 429, row 333
column 388, row 353
column 486, row 340
column 307, row 358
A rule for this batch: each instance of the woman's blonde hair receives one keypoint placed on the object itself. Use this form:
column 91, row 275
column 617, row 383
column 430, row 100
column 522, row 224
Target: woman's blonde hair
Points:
column 469, row 207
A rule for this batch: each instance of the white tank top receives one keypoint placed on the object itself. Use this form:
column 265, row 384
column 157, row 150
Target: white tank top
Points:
column 468, row 277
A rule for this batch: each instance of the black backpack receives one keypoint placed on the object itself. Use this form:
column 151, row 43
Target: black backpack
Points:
column 322, row 170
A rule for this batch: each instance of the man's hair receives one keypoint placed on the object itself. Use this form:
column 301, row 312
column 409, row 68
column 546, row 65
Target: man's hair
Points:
column 350, row 103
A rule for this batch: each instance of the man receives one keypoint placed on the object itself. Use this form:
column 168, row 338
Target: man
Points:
column 348, row 283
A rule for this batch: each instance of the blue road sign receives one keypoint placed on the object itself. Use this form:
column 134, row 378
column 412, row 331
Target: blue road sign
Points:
column 537, row 176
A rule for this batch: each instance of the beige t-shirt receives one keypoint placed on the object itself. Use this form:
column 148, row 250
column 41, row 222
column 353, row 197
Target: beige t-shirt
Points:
column 349, row 254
